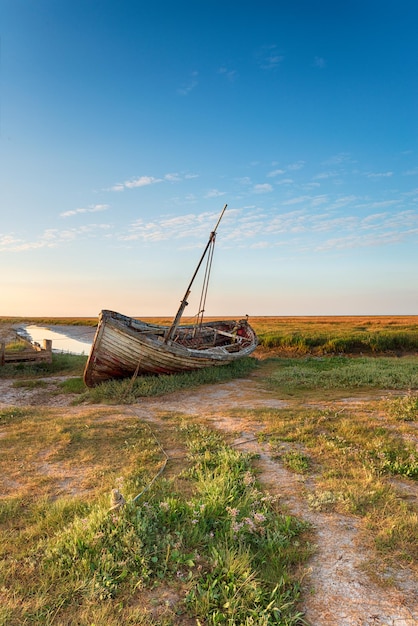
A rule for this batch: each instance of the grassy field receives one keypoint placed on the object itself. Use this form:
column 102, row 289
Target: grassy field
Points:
column 207, row 537
column 199, row 540
column 306, row 335
column 339, row 335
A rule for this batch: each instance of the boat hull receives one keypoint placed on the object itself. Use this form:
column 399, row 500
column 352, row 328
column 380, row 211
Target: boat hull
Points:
column 124, row 347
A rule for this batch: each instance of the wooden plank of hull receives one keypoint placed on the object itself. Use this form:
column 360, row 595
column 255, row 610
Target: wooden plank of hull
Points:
column 118, row 351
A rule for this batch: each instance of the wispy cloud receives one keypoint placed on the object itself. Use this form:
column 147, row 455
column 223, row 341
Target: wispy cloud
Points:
column 275, row 173
column 172, row 178
column 245, row 228
column 284, row 181
column 214, row 193
column 93, row 208
column 342, row 201
column 263, row 188
column 51, row 238
column 231, row 75
column 307, row 222
column 296, row 200
column 375, row 229
column 142, row 181
column 145, row 181
column 191, row 84
column 260, row 245
column 189, row 226
column 268, row 57
column 337, row 159
column 309, row 186
column 319, row 62
column 360, row 241
column 377, row 204
column 325, row 175
column 10, row 243
column 296, row 166
column 379, row 174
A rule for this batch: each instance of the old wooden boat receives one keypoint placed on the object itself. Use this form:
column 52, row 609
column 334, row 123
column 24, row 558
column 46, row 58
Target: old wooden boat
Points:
column 125, row 347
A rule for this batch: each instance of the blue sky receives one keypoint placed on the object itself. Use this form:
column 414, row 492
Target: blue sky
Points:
column 126, row 126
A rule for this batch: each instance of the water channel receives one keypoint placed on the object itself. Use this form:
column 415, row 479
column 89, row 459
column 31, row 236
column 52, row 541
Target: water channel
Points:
column 74, row 340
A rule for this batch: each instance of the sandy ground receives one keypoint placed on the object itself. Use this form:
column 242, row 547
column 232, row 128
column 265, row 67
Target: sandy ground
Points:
column 336, row 589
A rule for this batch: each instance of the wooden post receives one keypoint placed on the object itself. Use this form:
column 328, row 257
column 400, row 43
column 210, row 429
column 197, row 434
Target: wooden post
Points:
column 2, row 350
column 47, row 346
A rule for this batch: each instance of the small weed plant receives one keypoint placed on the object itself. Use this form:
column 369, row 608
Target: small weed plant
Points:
column 403, row 408
column 296, row 461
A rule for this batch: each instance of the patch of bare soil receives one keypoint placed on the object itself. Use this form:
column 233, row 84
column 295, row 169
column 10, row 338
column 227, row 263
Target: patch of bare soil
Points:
column 46, row 395
column 336, row 589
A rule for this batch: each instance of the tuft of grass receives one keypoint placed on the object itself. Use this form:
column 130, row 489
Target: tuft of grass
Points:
column 29, row 384
column 403, row 408
column 296, row 461
column 72, row 385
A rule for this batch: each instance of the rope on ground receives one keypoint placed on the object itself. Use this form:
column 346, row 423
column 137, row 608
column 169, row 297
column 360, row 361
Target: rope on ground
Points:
column 160, row 471
column 117, row 500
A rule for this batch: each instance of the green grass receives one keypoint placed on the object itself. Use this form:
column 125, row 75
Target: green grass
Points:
column 62, row 364
column 72, row 385
column 353, row 342
column 339, row 335
column 124, row 391
column 306, row 335
column 29, row 384
column 353, row 455
column 223, row 548
column 296, row 461
column 203, row 542
column 16, row 346
column 129, row 390
column 404, row 408
column 314, row 373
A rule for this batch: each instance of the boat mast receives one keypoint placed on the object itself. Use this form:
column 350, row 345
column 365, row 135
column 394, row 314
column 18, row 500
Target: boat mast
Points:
column 184, row 303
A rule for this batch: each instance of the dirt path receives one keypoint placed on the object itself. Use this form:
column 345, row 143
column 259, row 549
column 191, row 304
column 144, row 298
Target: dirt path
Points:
column 336, row 590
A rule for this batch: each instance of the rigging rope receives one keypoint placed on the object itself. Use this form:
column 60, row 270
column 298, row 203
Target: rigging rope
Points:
column 205, row 284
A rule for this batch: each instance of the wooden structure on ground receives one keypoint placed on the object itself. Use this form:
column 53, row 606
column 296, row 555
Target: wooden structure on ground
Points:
column 33, row 353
